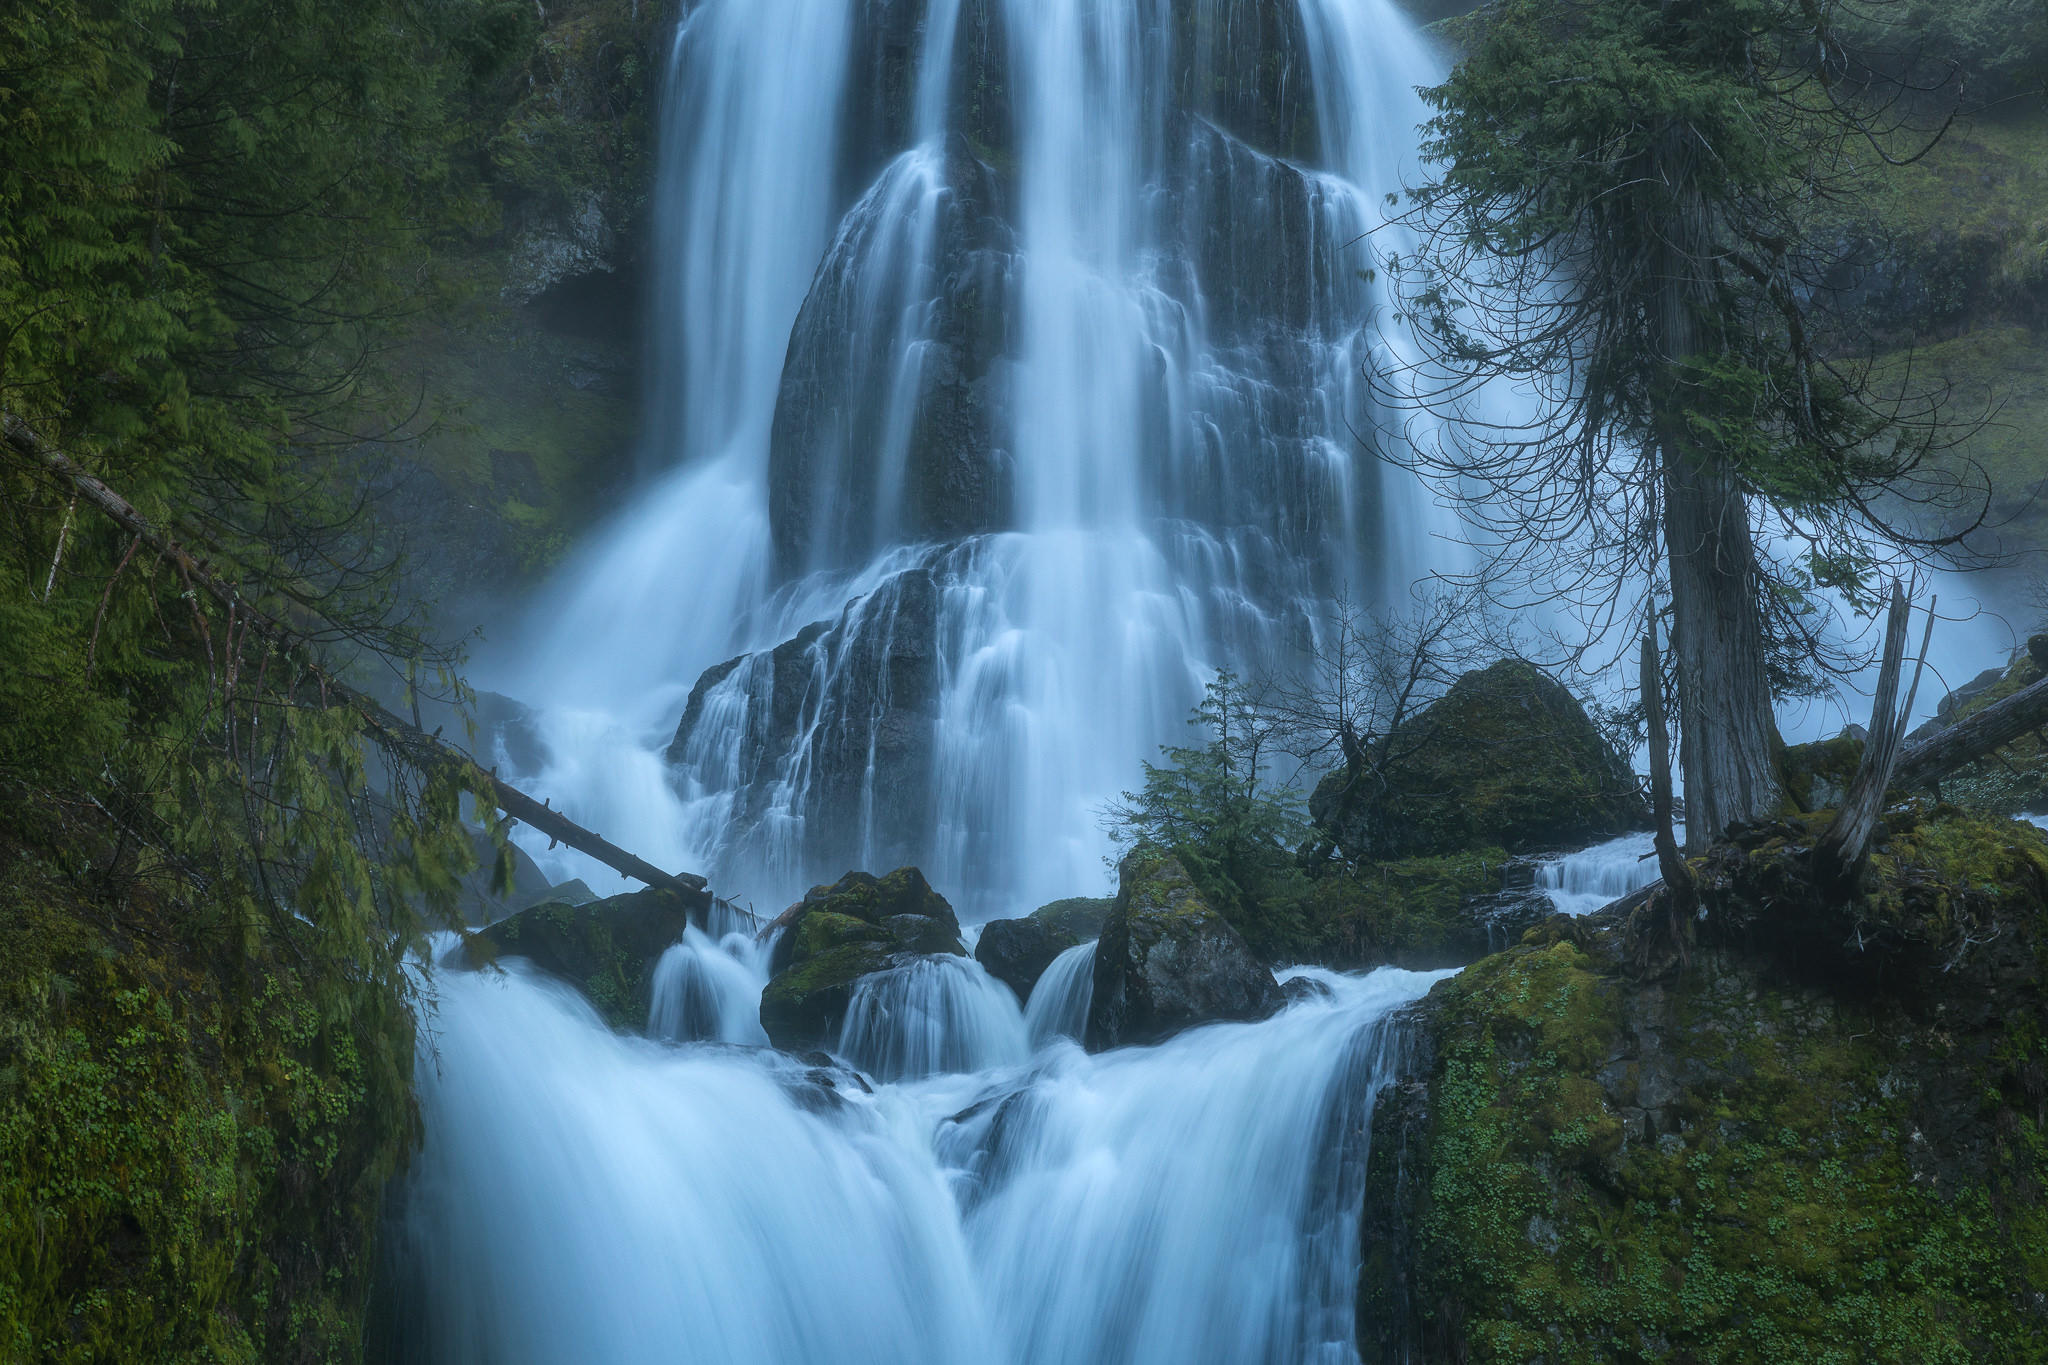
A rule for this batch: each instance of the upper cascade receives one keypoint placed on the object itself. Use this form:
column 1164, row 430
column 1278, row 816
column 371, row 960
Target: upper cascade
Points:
column 1013, row 357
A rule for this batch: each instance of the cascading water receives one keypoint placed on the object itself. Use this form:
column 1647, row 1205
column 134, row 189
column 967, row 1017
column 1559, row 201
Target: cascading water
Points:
column 1058, row 1007
column 583, row 1196
column 1007, row 362
column 958, row 502
column 1582, row 882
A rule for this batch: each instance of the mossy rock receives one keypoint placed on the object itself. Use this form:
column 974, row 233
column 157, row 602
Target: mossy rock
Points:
column 607, row 949
column 1817, row 775
column 1773, row 1154
column 197, row 1129
column 2015, row 778
column 1167, row 960
column 804, row 1005
column 1507, row 757
column 1419, row 913
column 1016, row 952
column 839, row 933
column 1078, row 917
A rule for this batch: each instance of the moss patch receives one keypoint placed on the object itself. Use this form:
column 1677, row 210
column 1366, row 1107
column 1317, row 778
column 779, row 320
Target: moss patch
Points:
column 1736, row 1164
column 1421, row 913
column 192, row 1157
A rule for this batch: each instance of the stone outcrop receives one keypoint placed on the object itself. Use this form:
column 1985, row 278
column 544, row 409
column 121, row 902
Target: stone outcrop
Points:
column 854, row 701
column 1813, row 1137
column 1168, row 961
column 1506, row 757
column 1016, row 952
column 839, row 933
column 1078, row 917
column 606, row 949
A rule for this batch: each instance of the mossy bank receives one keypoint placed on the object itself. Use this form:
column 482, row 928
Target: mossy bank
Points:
column 193, row 1150
column 1820, row 1139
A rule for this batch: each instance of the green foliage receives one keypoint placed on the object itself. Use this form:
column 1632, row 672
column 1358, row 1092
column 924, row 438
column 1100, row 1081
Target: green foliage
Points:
column 1623, row 218
column 193, row 1151
column 1236, row 833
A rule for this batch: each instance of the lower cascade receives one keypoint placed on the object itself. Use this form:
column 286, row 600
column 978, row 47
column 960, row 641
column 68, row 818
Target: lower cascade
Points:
column 584, row 1195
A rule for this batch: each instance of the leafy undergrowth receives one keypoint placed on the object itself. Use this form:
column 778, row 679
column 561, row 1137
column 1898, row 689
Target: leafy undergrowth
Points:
column 192, row 1153
column 1759, row 1158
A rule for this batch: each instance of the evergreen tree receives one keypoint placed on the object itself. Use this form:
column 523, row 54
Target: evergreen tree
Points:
column 1620, row 222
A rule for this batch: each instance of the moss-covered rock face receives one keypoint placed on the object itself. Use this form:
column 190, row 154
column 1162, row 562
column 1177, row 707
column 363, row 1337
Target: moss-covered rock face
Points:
column 1168, row 961
column 1080, row 917
column 193, row 1152
column 1420, row 913
column 1817, row 775
column 839, row 933
column 606, row 949
column 1792, row 1149
column 1506, row 758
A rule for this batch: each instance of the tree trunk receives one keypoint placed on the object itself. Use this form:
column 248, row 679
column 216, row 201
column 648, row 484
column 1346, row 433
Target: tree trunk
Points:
column 1725, row 728
column 1726, row 733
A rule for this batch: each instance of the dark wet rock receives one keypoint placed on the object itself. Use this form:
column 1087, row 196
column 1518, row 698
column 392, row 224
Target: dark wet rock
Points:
column 860, row 696
column 1016, row 952
column 839, row 933
column 833, row 500
column 1299, row 988
column 1167, row 960
column 1507, row 757
column 606, row 949
column 1078, row 917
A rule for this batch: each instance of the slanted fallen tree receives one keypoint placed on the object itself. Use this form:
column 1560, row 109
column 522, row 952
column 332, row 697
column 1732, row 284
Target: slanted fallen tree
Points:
column 401, row 740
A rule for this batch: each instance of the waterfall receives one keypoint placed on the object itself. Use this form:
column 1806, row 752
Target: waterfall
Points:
column 1058, row 1007
column 586, row 1196
column 1582, row 882
column 1008, row 364
column 933, row 1015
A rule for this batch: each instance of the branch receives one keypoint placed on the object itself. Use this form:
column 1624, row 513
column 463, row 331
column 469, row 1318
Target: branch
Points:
column 1838, row 857
column 397, row 737
column 1927, row 762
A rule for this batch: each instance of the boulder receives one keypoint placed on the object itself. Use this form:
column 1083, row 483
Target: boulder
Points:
column 1016, row 952
column 850, row 702
column 839, row 933
column 1167, row 960
column 1507, row 757
column 606, row 949
column 1078, row 917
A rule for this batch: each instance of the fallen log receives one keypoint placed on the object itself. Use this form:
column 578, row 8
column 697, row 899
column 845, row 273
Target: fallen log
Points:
column 396, row 736
column 1926, row 762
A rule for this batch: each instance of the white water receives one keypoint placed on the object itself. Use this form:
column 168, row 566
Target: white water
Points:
column 1185, row 488
column 1058, row 1007
column 583, row 1196
column 1582, row 882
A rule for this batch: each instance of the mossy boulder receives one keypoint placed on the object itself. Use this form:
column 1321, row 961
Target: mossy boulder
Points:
column 1016, row 952
column 1167, row 960
column 839, row 933
column 197, row 1126
column 606, row 949
column 1421, row 913
column 1816, row 776
column 1078, row 917
column 1507, row 757
column 1821, row 1139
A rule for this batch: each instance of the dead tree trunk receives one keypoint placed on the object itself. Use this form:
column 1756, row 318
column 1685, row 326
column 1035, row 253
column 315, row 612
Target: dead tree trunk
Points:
column 1680, row 896
column 1971, row 738
column 1838, row 857
column 399, row 738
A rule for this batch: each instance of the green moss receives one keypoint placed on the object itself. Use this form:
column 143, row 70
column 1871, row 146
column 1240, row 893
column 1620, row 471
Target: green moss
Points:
column 1077, row 917
column 192, row 1156
column 1727, row 1167
column 1817, row 775
column 1411, row 911
column 822, row 930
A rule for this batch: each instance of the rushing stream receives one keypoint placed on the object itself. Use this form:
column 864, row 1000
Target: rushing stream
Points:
column 1009, row 366
column 584, row 1196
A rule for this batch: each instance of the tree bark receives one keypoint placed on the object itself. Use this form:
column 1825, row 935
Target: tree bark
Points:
column 1727, row 735
column 1838, row 857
